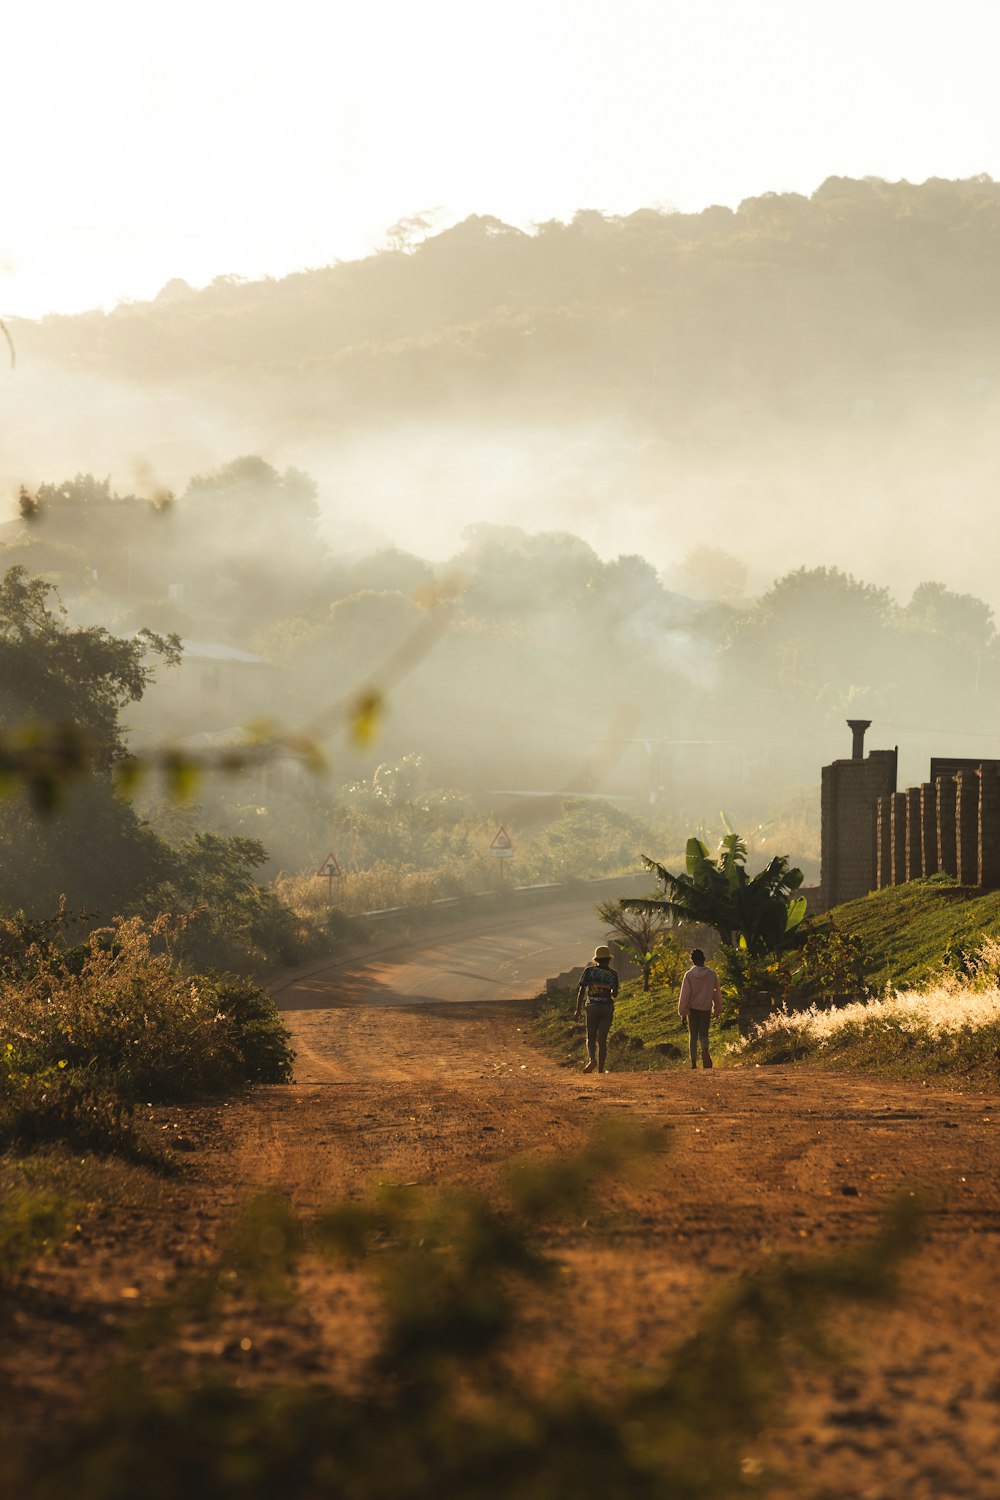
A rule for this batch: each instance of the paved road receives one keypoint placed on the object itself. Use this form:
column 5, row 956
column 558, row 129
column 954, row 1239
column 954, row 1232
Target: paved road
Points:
column 509, row 960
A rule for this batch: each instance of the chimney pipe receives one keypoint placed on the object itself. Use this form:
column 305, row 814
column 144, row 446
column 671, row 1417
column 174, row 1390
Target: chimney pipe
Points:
column 857, row 728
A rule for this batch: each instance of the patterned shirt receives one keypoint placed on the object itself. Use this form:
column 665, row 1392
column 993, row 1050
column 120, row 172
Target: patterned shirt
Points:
column 601, row 984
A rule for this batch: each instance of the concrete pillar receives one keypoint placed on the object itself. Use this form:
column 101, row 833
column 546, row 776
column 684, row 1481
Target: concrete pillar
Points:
column 989, row 828
column 914, row 846
column 849, row 792
column 897, row 838
column 883, row 841
column 967, row 827
column 928, row 827
column 946, row 792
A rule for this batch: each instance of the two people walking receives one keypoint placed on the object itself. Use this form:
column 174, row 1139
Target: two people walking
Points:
column 700, row 998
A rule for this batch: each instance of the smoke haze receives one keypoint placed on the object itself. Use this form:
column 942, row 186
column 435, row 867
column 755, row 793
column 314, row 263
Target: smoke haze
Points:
column 708, row 484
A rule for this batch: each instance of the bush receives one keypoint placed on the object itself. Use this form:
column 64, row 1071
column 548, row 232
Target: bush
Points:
column 226, row 914
column 86, row 1032
column 258, row 1035
column 64, row 1105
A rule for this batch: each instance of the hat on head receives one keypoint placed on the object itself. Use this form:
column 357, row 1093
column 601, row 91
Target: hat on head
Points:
column 602, row 952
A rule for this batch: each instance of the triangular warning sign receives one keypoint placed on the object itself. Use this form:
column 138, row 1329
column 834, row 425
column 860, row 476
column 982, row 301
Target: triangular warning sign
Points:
column 502, row 843
column 329, row 866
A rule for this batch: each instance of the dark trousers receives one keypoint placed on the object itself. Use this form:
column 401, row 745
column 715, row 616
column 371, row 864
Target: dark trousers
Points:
column 698, row 1022
column 599, row 1016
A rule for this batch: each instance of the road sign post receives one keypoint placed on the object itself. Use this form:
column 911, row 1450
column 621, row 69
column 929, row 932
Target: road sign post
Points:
column 331, row 870
column 503, row 847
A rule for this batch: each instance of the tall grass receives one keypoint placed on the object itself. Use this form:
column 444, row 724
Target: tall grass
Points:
column 949, row 1025
column 379, row 888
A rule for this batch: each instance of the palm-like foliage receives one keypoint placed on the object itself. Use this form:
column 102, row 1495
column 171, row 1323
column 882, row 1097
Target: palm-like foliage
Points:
column 759, row 913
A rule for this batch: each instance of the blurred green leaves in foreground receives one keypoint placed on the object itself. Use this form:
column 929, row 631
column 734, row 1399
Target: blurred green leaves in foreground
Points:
column 443, row 1409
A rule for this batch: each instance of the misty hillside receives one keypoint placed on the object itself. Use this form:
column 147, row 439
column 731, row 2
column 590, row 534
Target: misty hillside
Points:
column 810, row 305
column 805, row 381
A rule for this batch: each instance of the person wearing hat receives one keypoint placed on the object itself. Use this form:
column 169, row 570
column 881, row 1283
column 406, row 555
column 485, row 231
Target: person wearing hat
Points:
column 598, row 987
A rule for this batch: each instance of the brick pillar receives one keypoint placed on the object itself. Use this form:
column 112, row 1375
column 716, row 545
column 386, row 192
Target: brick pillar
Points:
column 967, row 827
column 989, row 828
column 914, row 847
column 947, row 861
column 897, row 837
column 928, row 827
column 883, row 841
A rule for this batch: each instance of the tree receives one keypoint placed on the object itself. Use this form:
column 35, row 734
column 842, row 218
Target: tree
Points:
column 64, row 688
column 76, row 678
column 640, row 933
column 961, row 618
column 818, row 636
column 758, row 913
column 254, row 504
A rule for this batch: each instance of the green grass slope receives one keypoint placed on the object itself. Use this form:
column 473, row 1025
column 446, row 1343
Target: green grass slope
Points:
column 907, row 931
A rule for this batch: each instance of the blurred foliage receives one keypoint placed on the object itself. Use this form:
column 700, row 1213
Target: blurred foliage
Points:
column 30, row 1220
column 441, row 1410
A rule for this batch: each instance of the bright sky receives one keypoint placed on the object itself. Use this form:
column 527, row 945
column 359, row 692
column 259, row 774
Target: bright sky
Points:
column 208, row 137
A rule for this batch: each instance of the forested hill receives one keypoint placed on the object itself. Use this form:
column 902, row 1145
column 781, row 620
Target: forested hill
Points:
column 858, row 300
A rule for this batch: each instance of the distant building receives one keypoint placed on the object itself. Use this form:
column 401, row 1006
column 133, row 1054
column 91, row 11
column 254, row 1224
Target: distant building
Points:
column 214, row 688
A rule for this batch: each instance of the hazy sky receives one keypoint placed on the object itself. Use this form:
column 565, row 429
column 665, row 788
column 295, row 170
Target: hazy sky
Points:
column 234, row 136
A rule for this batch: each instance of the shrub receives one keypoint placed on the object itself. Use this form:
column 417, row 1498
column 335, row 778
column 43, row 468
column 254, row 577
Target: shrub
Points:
column 226, row 914
column 60, row 1104
column 121, row 1012
column 258, row 1035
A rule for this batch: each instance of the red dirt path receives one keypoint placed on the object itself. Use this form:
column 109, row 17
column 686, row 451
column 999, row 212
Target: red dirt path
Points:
column 782, row 1160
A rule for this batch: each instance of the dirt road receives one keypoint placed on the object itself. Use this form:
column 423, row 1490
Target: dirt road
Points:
column 420, row 1067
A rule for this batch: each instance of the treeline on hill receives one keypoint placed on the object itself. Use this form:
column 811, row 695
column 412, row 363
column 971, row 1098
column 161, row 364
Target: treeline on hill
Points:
column 791, row 304
column 554, row 671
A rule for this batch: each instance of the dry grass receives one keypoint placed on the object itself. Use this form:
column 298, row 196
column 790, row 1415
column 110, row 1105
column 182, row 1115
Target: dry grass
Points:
column 379, row 888
column 950, row 1025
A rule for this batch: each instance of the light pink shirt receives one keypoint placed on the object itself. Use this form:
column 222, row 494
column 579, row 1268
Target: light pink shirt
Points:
column 699, row 991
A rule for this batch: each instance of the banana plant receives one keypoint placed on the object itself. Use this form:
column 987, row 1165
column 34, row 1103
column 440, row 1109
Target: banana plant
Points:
column 760, row 914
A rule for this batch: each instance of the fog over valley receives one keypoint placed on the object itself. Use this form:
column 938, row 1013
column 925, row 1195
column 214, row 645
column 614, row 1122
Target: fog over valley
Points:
column 637, row 508
column 804, row 381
